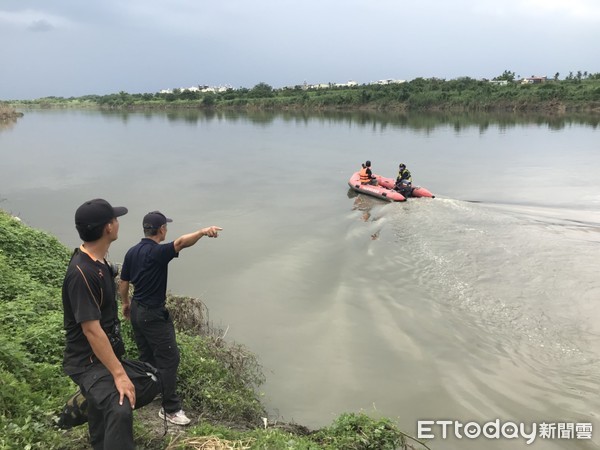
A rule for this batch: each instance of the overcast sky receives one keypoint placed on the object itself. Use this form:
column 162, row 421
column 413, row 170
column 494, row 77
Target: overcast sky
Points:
column 75, row 47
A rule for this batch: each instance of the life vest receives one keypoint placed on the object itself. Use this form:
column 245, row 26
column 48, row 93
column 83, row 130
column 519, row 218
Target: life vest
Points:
column 404, row 174
column 364, row 176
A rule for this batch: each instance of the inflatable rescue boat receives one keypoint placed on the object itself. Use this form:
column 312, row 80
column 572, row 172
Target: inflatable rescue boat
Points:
column 385, row 189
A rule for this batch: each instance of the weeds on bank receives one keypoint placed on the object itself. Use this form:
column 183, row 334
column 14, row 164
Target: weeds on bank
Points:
column 32, row 265
column 216, row 377
column 227, row 388
column 232, row 374
column 348, row 432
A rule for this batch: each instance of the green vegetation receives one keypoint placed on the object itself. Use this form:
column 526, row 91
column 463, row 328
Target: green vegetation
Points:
column 219, row 380
column 32, row 265
column 579, row 92
column 348, row 432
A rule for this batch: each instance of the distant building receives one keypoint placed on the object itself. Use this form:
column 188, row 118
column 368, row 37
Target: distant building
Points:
column 200, row 88
column 533, row 80
column 499, row 82
column 389, row 81
column 348, row 84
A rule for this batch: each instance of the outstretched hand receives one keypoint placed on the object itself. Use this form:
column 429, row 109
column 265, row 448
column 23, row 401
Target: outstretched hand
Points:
column 212, row 231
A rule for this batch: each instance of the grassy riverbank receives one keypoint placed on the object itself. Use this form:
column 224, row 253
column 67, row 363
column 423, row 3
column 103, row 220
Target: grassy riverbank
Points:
column 573, row 94
column 219, row 380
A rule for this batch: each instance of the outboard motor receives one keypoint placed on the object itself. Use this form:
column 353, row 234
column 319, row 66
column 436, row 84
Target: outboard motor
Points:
column 405, row 188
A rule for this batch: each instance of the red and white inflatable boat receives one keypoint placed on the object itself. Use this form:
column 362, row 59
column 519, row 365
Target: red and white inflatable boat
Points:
column 385, row 189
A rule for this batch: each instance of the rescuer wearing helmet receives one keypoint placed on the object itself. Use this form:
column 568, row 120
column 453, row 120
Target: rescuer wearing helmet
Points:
column 403, row 181
column 365, row 174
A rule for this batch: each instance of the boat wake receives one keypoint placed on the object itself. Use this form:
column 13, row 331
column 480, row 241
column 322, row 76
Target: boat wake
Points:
column 524, row 272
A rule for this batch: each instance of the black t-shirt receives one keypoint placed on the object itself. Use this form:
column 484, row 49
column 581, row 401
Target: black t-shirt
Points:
column 146, row 267
column 88, row 293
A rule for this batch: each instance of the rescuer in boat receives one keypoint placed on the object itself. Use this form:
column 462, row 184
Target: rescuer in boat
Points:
column 403, row 181
column 365, row 174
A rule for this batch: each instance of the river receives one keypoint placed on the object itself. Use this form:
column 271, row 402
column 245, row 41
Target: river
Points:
column 480, row 304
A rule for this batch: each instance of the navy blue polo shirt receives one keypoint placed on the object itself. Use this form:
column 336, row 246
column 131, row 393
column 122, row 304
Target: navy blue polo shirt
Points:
column 146, row 267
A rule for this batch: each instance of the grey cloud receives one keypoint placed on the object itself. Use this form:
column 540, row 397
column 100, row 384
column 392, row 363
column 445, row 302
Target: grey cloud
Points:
column 41, row 25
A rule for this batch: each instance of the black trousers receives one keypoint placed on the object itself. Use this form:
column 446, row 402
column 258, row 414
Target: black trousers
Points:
column 110, row 424
column 154, row 335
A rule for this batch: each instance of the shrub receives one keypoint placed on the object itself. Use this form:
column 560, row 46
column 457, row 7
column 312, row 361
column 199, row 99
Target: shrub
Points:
column 360, row 432
column 33, row 251
column 220, row 379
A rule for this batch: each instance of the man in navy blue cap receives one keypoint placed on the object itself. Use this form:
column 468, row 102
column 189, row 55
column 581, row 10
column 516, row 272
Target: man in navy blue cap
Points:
column 94, row 349
column 146, row 267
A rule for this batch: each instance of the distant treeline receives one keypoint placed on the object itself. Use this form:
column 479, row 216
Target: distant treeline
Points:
column 579, row 92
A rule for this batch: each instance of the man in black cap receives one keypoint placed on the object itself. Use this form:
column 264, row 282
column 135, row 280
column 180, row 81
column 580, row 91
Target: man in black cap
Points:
column 146, row 267
column 94, row 348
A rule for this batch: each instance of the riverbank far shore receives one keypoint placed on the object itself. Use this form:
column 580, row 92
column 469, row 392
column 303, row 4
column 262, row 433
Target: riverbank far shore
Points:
column 419, row 95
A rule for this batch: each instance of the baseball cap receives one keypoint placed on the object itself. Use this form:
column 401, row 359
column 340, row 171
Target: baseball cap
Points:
column 97, row 212
column 155, row 219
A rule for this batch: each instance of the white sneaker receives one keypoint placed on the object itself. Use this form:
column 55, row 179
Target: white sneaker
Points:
column 178, row 418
